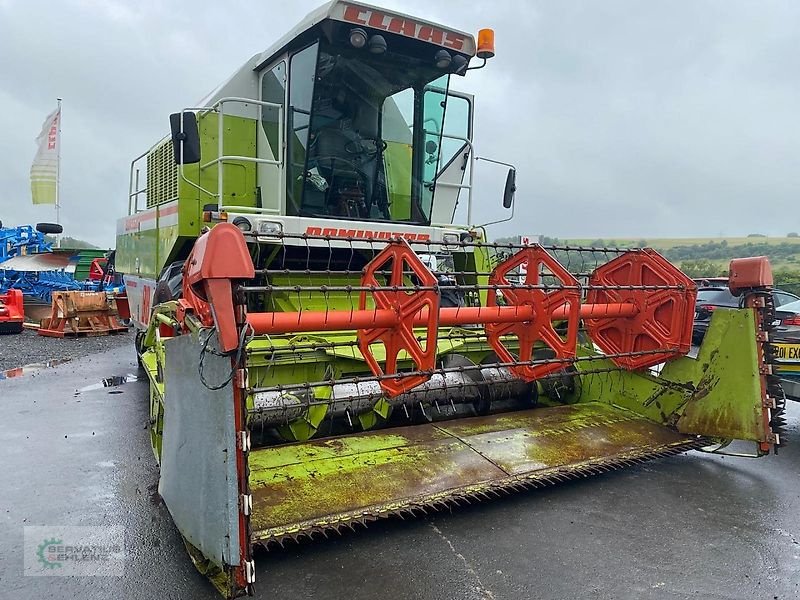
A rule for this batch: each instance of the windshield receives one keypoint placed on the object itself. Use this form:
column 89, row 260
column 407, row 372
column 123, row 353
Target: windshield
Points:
column 358, row 142
column 717, row 296
column 791, row 307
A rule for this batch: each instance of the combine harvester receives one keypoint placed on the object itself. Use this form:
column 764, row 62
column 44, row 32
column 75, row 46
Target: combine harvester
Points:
column 325, row 347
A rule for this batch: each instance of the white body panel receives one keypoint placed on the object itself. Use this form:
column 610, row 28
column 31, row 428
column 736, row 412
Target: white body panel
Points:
column 140, row 298
column 340, row 231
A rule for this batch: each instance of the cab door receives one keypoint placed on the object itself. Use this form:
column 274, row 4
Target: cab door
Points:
column 448, row 173
column 270, row 140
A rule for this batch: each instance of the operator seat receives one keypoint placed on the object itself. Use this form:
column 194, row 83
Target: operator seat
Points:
column 335, row 178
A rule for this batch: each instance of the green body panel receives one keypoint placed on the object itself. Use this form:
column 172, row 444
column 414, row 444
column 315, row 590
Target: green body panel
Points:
column 293, row 301
column 136, row 253
column 239, row 177
column 716, row 394
column 728, row 371
column 397, row 163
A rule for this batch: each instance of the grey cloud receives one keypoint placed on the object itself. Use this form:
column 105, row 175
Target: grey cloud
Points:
column 625, row 118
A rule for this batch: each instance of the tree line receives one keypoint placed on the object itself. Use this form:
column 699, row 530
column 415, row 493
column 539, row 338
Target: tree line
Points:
column 708, row 259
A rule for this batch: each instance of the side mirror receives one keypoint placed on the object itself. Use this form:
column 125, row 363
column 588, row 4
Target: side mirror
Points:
column 511, row 187
column 187, row 137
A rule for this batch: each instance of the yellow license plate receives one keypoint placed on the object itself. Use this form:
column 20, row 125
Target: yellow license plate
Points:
column 788, row 352
column 788, row 356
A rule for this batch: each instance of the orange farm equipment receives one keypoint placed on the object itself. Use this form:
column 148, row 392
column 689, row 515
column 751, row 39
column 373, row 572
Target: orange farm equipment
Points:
column 12, row 312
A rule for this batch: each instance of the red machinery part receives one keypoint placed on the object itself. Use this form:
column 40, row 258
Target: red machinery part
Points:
column 78, row 314
column 12, row 312
column 218, row 259
column 654, row 313
column 664, row 314
column 299, row 322
column 544, row 305
column 97, row 270
column 123, row 307
column 406, row 303
column 749, row 273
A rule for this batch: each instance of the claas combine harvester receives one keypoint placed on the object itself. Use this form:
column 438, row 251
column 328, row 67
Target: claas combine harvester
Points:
column 326, row 347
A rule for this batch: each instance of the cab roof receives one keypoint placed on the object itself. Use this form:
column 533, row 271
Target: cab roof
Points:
column 366, row 15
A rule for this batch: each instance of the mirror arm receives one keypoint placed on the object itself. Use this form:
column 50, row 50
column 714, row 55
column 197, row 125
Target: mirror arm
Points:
column 508, row 218
column 514, row 204
column 496, row 162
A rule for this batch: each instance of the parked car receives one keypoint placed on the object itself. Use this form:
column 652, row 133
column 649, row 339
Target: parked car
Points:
column 786, row 345
column 713, row 294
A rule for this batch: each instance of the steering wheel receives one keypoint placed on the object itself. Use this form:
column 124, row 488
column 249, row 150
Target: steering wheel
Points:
column 329, row 162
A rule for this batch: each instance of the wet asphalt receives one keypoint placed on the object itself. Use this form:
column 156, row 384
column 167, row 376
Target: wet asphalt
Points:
column 692, row 526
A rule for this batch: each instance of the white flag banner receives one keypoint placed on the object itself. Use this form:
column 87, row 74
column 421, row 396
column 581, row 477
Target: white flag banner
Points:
column 44, row 170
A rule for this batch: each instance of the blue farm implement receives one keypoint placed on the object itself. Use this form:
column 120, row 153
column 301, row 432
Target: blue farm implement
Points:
column 40, row 284
column 22, row 240
column 28, row 263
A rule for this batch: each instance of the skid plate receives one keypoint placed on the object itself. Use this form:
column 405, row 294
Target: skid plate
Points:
column 328, row 483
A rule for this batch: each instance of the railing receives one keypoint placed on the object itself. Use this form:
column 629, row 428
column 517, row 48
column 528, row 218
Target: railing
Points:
column 133, row 184
column 219, row 108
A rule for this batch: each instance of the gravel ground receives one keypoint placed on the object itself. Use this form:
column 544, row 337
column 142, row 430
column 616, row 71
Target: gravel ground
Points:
column 29, row 348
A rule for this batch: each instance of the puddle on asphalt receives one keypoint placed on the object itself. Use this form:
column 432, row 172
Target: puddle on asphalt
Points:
column 109, row 382
column 31, row 368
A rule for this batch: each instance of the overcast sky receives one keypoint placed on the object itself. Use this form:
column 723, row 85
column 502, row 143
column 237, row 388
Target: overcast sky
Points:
column 625, row 118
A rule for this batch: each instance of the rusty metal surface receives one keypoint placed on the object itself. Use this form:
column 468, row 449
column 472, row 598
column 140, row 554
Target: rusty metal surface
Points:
column 81, row 313
column 302, row 489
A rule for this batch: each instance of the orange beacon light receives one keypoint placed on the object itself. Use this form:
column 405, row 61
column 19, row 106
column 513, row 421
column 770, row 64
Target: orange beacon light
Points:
column 485, row 43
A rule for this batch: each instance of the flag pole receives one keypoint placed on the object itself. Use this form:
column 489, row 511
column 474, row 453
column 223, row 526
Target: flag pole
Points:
column 58, row 174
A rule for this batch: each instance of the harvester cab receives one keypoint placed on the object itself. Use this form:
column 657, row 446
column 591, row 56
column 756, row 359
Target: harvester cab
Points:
column 326, row 347
column 356, row 122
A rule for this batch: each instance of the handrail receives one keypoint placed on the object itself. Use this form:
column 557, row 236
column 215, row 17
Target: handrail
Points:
column 222, row 157
column 133, row 196
column 219, row 108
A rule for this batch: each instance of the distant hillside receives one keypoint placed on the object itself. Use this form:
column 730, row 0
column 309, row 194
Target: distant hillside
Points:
column 708, row 257
column 713, row 254
column 70, row 243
